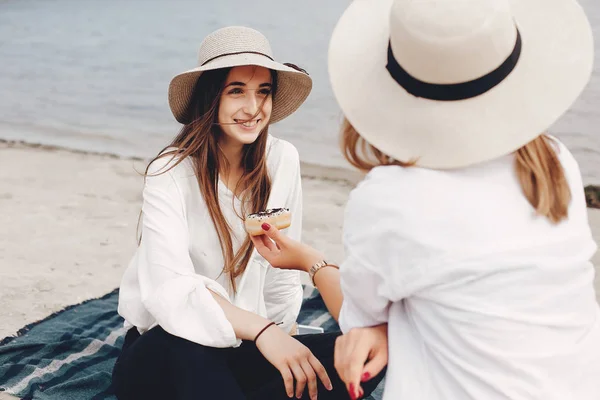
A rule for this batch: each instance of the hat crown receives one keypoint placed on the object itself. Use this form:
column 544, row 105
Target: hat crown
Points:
column 233, row 39
column 451, row 41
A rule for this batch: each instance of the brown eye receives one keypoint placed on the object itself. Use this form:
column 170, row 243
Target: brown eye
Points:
column 265, row 92
column 235, row 91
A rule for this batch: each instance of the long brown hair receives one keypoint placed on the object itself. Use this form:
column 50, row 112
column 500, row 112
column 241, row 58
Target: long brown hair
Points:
column 198, row 140
column 537, row 166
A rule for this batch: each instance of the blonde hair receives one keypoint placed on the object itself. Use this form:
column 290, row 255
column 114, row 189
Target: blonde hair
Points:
column 362, row 155
column 537, row 166
column 542, row 179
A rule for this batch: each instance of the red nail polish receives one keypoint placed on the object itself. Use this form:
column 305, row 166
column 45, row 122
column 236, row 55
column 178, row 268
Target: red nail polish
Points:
column 266, row 226
column 351, row 392
column 360, row 394
column 366, row 376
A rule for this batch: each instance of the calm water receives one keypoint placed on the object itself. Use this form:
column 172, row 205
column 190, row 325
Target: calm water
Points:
column 93, row 74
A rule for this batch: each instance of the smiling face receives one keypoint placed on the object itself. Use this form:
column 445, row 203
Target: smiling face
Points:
column 245, row 105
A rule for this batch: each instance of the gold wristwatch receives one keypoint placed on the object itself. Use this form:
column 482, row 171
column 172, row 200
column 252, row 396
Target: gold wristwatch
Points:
column 316, row 267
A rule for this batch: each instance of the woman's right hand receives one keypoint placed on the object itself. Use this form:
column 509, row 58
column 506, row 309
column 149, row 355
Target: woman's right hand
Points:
column 294, row 361
column 360, row 355
column 283, row 252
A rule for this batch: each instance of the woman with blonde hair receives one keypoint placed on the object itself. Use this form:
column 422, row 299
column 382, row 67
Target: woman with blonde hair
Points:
column 468, row 246
column 208, row 317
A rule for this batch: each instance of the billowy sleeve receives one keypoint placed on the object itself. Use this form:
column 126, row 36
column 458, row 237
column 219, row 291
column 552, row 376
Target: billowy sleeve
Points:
column 173, row 293
column 283, row 289
column 382, row 261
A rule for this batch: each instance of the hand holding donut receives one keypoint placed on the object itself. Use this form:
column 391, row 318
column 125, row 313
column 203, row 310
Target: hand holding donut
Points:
column 280, row 218
column 281, row 251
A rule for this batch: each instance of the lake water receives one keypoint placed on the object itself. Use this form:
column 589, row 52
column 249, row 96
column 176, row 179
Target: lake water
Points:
column 93, row 74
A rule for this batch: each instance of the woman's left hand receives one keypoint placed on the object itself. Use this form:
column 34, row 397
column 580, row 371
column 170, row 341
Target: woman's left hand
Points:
column 285, row 253
column 360, row 355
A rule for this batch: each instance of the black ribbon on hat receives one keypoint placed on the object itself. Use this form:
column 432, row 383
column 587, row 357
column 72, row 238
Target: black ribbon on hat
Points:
column 290, row 65
column 454, row 91
column 235, row 54
column 297, row 68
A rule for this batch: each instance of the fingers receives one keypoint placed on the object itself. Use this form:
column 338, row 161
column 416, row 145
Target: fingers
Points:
column 320, row 371
column 349, row 360
column 288, row 381
column 340, row 355
column 269, row 243
column 374, row 366
column 354, row 370
column 265, row 247
column 305, row 368
column 260, row 246
column 344, row 347
column 311, row 378
column 274, row 234
column 301, row 378
column 306, row 371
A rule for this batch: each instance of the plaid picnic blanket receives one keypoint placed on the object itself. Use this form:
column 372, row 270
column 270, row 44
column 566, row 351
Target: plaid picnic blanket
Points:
column 70, row 354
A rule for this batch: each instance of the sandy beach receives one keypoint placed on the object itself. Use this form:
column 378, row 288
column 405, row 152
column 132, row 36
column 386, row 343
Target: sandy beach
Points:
column 69, row 222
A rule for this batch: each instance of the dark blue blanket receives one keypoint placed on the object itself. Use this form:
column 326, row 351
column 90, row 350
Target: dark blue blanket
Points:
column 70, row 354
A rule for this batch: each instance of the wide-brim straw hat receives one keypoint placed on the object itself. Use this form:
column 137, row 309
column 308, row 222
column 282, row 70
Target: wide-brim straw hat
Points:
column 237, row 46
column 452, row 83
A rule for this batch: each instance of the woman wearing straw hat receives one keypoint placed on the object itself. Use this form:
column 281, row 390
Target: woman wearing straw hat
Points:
column 468, row 246
column 207, row 316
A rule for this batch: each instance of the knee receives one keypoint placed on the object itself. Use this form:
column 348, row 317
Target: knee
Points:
column 157, row 358
column 184, row 353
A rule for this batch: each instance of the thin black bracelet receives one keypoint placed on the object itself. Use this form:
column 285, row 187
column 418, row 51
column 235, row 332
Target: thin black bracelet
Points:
column 263, row 329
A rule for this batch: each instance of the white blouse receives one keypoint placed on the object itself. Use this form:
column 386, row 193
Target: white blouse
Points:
column 179, row 259
column 484, row 299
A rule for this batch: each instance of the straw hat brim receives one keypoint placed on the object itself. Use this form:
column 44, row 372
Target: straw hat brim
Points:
column 555, row 65
column 293, row 87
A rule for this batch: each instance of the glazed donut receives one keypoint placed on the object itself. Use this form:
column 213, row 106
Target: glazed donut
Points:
column 280, row 218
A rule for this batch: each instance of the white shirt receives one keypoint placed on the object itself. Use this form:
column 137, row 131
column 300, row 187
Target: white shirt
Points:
column 180, row 259
column 484, row 299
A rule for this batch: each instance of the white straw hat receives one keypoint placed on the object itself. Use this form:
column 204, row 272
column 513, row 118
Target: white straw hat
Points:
column 450, row 83
column 236, row 46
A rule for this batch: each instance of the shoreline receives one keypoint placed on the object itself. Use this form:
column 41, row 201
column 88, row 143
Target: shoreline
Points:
column 309, row 171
